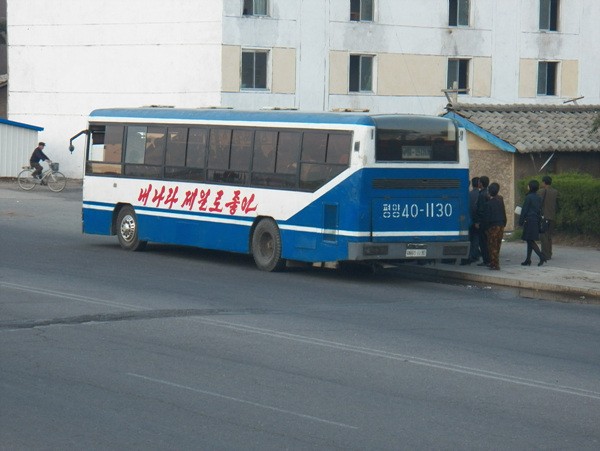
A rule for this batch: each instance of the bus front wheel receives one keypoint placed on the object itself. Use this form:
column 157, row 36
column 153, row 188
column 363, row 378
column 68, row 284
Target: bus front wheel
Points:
column 266, row 246
column 127, row 230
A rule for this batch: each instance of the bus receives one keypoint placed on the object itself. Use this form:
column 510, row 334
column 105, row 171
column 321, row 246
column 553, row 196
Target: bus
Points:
column 284, row 186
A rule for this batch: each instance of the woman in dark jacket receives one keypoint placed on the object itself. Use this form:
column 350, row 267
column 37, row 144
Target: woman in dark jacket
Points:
column 495, row 221
column 530, row 220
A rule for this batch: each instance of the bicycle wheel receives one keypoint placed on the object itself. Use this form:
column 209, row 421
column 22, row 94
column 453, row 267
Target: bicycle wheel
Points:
column 56, row 181
column 26, row 180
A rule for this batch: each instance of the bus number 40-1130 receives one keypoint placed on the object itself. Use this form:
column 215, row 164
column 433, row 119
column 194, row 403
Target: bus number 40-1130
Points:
column 413, row 211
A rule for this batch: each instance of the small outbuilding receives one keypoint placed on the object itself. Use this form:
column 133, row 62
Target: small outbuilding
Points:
column 510, row 142
column 17, row 141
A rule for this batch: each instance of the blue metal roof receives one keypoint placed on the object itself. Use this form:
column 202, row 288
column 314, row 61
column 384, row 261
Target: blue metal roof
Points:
column 237, row 115
column 481, row 132
column 21, row 125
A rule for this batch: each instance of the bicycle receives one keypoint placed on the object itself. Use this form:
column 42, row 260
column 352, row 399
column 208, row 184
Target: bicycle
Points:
column 54, row 179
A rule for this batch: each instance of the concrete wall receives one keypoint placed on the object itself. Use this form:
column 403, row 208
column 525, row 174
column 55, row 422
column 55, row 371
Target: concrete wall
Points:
column 66, row 61
column 488, row 160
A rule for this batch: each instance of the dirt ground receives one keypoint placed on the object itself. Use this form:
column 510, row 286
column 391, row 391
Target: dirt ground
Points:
column 577, row 240
column 562, row 238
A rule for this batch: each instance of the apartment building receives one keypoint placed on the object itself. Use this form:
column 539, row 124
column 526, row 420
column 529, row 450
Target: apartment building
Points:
column 68, row 57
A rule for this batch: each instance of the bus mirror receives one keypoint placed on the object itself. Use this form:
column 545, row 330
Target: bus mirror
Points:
column 82, row 132
column 357, row 146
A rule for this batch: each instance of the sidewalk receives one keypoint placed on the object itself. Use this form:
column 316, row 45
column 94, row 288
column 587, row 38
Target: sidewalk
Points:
column 573, row 272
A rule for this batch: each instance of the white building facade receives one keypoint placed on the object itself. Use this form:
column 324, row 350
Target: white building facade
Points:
column 68, row 57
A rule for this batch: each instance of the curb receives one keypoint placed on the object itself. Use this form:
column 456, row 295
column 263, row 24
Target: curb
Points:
column 437, row 274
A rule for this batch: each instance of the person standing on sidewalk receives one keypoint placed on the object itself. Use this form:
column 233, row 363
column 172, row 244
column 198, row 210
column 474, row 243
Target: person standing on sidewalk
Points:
column 549, row 197
column 530, row 220
column 474, row 252
column 482, row 200
column 495, row 220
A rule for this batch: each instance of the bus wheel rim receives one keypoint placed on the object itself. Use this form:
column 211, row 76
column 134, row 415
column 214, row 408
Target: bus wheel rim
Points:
column 266, row 245
column 128, row 228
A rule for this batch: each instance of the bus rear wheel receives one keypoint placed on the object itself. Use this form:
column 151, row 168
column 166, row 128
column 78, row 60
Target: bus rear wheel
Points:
column 266, row 246
column 127, row 230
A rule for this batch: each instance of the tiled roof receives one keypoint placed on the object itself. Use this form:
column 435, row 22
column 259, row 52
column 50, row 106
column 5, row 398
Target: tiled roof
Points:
column 537, row 128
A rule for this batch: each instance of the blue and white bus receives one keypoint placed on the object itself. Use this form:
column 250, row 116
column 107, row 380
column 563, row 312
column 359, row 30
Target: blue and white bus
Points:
column 280, row 185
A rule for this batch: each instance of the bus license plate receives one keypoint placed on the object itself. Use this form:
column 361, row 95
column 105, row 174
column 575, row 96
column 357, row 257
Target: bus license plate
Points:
column 416, row 252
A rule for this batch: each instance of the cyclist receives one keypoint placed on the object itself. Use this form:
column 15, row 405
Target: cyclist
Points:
column 37, row 156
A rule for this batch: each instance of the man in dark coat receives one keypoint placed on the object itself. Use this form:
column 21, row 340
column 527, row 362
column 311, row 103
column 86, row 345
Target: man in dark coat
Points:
column 475, row 252
column 37, row 156
column 480, row 216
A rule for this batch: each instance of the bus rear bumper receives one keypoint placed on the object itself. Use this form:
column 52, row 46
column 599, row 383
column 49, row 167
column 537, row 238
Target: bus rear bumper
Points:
column 408, row 251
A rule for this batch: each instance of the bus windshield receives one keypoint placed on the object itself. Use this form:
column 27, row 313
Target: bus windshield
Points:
column 415, row 139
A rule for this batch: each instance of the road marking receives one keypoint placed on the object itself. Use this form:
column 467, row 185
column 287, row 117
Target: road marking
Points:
column 73, row 297
column 242, row 401
column 590, row 394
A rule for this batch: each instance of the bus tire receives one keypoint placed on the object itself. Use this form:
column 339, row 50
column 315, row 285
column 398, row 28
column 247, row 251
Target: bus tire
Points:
column 266, row 246
column 127, row 230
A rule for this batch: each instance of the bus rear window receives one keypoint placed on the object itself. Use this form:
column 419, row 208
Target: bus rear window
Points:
column 416, row 139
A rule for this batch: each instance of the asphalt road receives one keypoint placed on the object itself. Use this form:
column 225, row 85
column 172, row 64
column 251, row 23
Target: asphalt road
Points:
column 178, row 348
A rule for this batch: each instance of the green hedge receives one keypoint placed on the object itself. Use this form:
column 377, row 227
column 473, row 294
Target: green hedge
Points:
column 578, row 202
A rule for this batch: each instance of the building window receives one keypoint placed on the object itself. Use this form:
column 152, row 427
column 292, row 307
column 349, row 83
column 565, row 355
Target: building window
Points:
column 255, row 7
column 254, row 69
column 361, row 73
column 547, row 72
column 361, row 10
column 458, row 13
column 549, row 15
column 458, row 74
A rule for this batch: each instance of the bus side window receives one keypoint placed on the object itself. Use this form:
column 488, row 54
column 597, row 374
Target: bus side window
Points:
column 106, row 150
column 338, row 148
column 196, row 148
column 113, row 143
column 288, row 152
column 314, row 147
column 97, row 143
column 135, row 154
column 155, row 145
column 218, row 154
column 136, row 144
column 265, row 143
column 313, row 172
column 241, row 156
column 186, row 152
column 263, row 158
column 175, row 154
column 313, row 176
column 176, row 141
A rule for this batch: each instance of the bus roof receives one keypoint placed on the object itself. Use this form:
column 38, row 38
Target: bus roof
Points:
column 284, row 116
